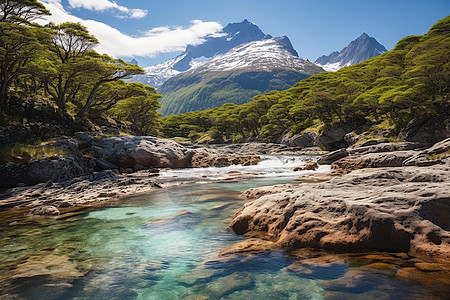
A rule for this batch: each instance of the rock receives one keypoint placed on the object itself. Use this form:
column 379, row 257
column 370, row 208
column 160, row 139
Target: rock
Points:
column 129, row 151
column 249, row 245
column 333, row 137
column 374, row 142
column 83, row 137
column 304, row 140
column 54, row 168
column 385, row 147
column 224, row 285
column 205, row 159
column 436, row 154
column 328, row 158
column 310, row 166
column 139, row 168
column 382, row 209
column 427, row 130
column 126, row 170
column 46, row 210
column 256, row 193
column 67, row 145
column 104, row 165
column 93, row 189
column 371, row 160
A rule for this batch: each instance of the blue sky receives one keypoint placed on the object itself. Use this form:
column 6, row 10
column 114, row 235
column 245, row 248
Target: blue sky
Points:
column 153, row 31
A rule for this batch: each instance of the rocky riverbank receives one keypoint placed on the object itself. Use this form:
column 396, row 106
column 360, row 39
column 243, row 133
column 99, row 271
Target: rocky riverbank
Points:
column 101, row 169
column 388, row 197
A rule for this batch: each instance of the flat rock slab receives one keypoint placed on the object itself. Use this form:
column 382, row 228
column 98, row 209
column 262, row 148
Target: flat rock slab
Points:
column 387, row 209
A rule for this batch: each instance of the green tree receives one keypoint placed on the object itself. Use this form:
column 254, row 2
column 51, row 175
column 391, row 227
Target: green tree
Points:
column 140, row 109
column 21, row 11
column 18, row 46
column 71, row 42
column 105, row 69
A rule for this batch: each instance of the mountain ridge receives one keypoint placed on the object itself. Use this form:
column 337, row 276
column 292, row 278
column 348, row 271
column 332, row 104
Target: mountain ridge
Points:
column 232, row 35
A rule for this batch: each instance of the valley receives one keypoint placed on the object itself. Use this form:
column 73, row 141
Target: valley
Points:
column 235, row 167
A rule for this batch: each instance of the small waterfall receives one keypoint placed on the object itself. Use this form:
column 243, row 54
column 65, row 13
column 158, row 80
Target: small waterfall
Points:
column 269, row 166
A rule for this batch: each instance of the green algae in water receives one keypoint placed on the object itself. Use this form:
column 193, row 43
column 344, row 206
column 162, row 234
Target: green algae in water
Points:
column 165, row 245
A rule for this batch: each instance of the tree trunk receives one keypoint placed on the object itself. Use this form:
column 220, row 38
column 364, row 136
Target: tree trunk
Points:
column 82, row 112
column 3, row 94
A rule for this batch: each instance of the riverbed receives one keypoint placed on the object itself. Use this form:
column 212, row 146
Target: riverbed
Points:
column 167, row 244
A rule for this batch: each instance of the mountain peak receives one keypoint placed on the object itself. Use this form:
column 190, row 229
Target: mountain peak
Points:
column 360, row 49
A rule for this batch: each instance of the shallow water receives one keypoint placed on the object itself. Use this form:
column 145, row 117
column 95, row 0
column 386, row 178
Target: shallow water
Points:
column 166, row 245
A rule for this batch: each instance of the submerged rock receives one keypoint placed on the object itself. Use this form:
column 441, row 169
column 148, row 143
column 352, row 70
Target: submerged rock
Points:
column 45, row 210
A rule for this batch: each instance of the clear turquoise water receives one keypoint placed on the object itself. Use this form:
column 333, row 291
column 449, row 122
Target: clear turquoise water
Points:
column 166, row 245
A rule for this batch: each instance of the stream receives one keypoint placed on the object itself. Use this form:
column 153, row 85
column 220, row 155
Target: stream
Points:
column 166, row 245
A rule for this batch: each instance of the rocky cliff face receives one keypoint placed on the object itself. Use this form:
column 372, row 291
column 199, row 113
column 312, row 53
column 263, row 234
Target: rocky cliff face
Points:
column 361, row 49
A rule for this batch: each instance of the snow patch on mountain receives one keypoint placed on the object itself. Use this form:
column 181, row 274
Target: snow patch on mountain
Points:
column 264, row 55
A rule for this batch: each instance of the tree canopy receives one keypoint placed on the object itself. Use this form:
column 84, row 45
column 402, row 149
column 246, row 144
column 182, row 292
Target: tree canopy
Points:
column 21, row 11
column 60, row 62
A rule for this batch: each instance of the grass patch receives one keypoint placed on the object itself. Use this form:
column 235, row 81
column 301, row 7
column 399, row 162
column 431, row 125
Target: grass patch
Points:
column 180, row 139
column 438, row 155
column 24, row 153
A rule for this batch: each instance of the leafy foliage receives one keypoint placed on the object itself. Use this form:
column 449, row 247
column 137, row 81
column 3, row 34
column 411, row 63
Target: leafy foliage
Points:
column 59, row 62
column 21, row 11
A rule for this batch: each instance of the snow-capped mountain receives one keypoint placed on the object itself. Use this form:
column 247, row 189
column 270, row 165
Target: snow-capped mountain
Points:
column 361, row 49
column 232, row 35
column 236, row 76
column 263, row 55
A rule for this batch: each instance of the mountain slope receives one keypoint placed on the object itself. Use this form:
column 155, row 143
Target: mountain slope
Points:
column 236, row 76
column 361, row 49
column 232, row 35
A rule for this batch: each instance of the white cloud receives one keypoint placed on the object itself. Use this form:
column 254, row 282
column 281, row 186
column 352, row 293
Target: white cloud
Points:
column 149, row 44
column 102, row 5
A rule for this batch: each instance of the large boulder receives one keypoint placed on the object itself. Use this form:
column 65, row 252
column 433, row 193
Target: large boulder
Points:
column 54, row 168
column 427, row 130
column 387, row 209
column 438, row 153
column 333, row 137
column 332, row 156
column 388, row 200
column 303, row 140
column 129, row 151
